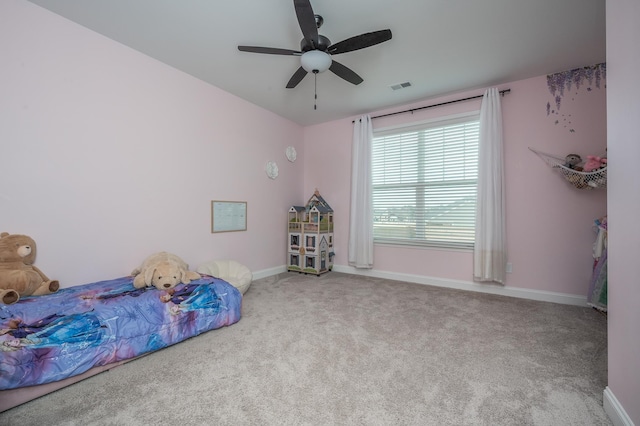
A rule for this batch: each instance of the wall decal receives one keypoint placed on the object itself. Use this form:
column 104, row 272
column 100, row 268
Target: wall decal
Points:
column 291, row 153
column 568, row 83
column 271, row 168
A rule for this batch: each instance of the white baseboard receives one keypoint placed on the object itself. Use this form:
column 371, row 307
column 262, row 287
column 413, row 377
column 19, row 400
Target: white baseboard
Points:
column 269, row 272
column 614, row 409
column 522, row 293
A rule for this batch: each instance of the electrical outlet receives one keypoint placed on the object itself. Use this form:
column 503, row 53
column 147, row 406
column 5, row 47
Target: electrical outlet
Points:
column 509, row 268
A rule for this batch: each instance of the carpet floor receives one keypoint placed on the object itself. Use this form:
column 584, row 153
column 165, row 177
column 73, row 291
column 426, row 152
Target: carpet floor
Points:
column 342, row 349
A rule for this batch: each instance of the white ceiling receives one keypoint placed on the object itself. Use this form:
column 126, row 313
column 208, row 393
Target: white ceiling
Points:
column 440, row 46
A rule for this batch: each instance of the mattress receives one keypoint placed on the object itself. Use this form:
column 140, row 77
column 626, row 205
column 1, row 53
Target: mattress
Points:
column 44, row 339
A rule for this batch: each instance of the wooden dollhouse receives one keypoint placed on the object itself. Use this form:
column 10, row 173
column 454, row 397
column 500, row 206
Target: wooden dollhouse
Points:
column 310, row 240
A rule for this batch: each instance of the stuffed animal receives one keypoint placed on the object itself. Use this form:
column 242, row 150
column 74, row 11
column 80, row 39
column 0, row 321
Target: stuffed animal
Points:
column 164, row 271
column 603, row 162
column 572, row 160
column 18, row 276
column 576, row 180
column 594, row 163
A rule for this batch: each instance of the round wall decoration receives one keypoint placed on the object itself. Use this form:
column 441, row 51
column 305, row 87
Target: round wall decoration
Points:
column 291, row 154
column 272, row 169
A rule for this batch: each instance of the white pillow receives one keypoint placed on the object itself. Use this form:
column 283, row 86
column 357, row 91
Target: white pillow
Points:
column 233, row 272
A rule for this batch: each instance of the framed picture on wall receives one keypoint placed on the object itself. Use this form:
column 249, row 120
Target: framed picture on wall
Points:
column 228, row 216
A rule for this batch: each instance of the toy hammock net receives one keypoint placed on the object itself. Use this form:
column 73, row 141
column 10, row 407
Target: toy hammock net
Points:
column 579, row 179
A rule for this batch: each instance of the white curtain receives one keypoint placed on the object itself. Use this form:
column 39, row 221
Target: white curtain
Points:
column 489, row 261
column 361, row 217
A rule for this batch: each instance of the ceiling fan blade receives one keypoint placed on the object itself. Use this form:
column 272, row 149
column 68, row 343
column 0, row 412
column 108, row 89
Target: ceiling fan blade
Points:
column 360, row 42
column 269, row 50
column 307, row 21
column 296, row 78
column 343, row 72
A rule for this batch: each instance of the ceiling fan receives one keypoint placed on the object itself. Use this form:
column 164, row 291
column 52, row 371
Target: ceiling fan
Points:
column 316, row 50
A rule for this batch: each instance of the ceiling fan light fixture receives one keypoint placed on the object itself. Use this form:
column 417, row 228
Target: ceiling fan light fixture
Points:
column 315, row 61
column 316, row 51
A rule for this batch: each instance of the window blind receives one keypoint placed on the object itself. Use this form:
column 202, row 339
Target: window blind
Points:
column 424, row 180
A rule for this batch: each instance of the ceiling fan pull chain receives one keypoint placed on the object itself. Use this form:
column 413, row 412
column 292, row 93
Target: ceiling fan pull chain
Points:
column 315, row 89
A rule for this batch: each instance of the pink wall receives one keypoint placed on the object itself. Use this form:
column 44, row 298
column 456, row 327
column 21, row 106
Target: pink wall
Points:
column 549, row 222
column 109, row 156
column 115, row 141
column 623, row 108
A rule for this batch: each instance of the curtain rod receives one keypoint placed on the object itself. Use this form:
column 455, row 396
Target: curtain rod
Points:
column 502, row 92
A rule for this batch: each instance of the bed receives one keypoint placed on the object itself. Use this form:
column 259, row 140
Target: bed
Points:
column 47, row 342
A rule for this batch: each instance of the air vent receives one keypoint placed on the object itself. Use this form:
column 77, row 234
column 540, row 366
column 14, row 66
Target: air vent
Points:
column 401, row 85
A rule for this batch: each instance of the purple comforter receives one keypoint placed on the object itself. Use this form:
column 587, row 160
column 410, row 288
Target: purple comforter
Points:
column 49, row 338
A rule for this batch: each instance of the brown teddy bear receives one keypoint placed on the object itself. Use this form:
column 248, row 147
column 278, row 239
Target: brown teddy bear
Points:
column 18, row 276
column 164, row 271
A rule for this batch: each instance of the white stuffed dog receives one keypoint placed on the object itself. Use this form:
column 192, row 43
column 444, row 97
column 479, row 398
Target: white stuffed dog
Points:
column 164, row 271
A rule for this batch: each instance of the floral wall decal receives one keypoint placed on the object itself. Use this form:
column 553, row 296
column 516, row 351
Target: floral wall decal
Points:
column 562, row 83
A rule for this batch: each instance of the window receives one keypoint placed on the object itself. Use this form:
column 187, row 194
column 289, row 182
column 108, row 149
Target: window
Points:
column 311, row 241
column 424, row 182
